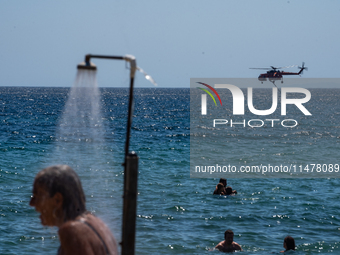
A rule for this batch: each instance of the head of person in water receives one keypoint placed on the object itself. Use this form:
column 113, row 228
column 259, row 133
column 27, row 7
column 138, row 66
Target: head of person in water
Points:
column 223, row 181
column 58, row 195
column 220, row 188
column 229, row 190
column 289, row 243
column 229, row 236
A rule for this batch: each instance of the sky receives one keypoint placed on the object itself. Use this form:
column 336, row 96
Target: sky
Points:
column 41, row 42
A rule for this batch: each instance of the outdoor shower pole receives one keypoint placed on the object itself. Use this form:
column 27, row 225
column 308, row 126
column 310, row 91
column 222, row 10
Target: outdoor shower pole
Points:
column 133, row 67
column 130, row 178
column 130, row 163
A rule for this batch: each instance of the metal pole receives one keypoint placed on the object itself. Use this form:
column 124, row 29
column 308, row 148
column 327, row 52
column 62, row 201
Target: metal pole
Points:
column 130, row 205
column 129, row 120
column 130, row 166
column 130, row 178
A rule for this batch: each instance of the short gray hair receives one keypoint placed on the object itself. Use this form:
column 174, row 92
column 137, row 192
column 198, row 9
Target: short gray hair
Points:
column 63, row 179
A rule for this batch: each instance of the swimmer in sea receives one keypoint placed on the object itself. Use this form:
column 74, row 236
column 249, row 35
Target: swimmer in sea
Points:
column 229, row 191
column 224, row 182
column 228, row 245
column 219, row 189
column 59, row 198
column 289, row 244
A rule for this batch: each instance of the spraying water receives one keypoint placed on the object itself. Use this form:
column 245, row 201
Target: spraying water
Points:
column 80, row 141
column 82, row 121
column 147, row 76
column 130, row 163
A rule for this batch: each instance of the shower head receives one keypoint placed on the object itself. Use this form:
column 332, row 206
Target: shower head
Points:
column 87, row 66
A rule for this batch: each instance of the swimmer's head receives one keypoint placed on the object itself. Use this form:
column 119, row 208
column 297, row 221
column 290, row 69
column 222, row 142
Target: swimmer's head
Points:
column 220, row 187
column 229, row 190
column 63, row 179
column 289, row 243
column 223, row 181
column 229, row 236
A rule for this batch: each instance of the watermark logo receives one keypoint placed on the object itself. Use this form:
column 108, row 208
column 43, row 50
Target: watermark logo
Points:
column 238, row 99
column 262, row 131
column 204, row 97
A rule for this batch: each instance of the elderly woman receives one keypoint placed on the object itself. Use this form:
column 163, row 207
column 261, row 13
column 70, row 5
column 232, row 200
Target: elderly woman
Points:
column 59, row 198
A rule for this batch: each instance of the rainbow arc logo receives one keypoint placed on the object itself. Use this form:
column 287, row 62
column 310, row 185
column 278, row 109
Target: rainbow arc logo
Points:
column 209, row 93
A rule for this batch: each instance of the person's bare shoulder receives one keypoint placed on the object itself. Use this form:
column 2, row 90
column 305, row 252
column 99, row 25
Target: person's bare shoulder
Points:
column 219, row 246
column 237, row 247
column 71, row 228
column 103, row 230
column 74, row 238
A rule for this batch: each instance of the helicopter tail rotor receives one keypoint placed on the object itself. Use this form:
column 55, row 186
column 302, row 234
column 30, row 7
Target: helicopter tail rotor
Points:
column 303, row 68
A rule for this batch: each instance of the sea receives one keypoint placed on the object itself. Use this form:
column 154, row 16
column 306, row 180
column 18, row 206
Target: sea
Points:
column 176, row 214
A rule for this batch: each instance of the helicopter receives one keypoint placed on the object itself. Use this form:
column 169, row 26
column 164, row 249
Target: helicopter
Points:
column 274, row 74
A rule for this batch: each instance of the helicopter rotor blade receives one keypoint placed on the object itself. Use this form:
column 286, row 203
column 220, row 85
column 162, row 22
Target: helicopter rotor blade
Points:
column 275, row 68
column 284, row 67
column 259, row 68
column 303, row 66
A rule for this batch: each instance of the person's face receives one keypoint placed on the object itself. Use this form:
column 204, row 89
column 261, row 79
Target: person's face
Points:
column 45, row 205
column 229, row 238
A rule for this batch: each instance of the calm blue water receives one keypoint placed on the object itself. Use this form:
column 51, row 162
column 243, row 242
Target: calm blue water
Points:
column 176, row 214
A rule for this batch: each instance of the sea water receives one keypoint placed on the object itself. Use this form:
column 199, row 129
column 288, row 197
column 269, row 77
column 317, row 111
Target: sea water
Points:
column 176, row 214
